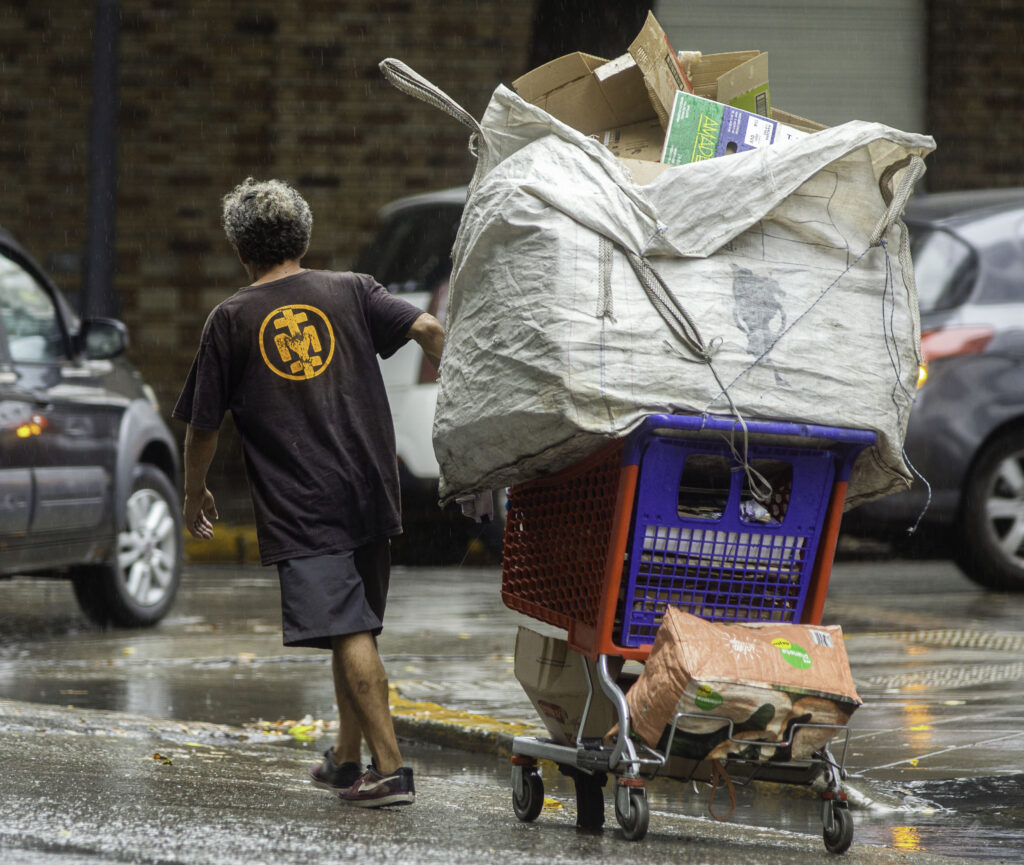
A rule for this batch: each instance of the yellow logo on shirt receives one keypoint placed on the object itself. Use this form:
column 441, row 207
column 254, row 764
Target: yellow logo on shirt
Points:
column 297, row 341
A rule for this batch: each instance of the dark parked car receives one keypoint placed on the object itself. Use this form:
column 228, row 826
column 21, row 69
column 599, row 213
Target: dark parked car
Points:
column 966, row 431
column 88, row 470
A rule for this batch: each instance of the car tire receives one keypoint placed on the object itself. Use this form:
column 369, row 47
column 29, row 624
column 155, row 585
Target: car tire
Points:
column 138, row 588
column 990, row 543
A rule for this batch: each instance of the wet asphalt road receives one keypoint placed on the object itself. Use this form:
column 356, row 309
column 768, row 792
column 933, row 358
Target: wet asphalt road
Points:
column 933, row 655
column 113, row 789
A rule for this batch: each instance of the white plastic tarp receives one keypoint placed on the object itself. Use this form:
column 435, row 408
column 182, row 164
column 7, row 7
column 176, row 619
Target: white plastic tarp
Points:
column 771, row 284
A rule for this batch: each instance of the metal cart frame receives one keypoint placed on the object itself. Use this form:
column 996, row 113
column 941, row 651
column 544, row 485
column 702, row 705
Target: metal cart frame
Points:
column 574, row 546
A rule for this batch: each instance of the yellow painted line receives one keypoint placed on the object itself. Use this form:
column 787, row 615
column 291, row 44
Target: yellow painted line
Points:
column 228, row 544
column 427, row 722
column 435, row 713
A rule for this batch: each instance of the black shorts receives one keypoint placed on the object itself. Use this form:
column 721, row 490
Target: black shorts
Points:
column 332, row 595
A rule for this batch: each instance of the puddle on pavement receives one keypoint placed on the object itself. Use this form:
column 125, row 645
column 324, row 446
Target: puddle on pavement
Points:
column 981, row 818
column 976, row 818
column 48, row 654
column 230, row 692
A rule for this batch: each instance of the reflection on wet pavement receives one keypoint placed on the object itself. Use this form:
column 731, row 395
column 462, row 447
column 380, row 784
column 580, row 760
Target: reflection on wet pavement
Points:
column 938, row 746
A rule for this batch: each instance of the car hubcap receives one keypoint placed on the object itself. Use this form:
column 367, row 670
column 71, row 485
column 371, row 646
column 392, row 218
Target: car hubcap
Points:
column 1004, row 508
column 147, row 548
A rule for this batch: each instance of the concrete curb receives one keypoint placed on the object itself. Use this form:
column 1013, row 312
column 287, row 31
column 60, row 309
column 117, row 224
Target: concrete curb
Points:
column 433, row 724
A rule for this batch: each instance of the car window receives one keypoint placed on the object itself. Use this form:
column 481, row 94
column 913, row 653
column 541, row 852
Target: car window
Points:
column 412, row 250
column 1002, row 272
column 29, row 316
column 945, row 268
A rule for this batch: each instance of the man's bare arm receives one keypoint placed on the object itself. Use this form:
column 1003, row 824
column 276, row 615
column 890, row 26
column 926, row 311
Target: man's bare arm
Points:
column 429, row 334
column 199, row 509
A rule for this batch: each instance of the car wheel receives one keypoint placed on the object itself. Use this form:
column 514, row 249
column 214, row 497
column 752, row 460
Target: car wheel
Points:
column 139, row 587
column 990, row 547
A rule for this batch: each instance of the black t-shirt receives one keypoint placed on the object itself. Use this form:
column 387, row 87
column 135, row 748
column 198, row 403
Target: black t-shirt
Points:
column 294, row 361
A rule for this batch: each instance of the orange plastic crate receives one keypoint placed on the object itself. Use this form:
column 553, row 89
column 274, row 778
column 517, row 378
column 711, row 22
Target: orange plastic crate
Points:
column 556, row 540
column 566, row 542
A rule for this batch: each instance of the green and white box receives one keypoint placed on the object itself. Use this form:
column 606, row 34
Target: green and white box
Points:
column 703, row 129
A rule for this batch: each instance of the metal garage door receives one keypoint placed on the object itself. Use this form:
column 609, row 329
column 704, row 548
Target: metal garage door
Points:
column 830, row 60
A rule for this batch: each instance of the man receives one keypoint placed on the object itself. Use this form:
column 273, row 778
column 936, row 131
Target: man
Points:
column 293, row 357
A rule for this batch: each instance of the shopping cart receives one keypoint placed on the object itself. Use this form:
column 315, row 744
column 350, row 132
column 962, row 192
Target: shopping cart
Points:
column 729, row 521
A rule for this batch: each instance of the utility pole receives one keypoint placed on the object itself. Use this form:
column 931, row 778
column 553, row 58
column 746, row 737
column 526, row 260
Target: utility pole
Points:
column 98, row 295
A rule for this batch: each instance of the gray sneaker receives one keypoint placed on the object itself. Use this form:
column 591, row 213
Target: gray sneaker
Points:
column 334, row 777
column 374, row 790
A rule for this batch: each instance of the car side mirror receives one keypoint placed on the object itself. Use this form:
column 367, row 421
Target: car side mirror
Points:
column 103, row 338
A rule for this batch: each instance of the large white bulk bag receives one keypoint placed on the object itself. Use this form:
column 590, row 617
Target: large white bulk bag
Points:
column 772, row 284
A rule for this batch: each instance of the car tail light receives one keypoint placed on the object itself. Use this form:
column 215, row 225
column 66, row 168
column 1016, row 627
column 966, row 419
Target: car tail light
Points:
column 951, row 342
column 954, row 341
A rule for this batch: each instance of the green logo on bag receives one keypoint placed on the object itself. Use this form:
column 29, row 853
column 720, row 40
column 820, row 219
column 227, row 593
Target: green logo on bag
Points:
column 792, row 654
column 707, row 698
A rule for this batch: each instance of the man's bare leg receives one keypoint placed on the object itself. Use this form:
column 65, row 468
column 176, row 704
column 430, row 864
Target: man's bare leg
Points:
column 348, row 745
column 365, row 683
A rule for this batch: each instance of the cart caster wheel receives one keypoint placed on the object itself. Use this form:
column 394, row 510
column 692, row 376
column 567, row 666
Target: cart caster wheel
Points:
column 634, row 821
column 527, row 793
column 839, row 835
column 589, row 802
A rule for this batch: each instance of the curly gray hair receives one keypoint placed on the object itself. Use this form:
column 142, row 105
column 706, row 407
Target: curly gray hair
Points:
column 267, row 221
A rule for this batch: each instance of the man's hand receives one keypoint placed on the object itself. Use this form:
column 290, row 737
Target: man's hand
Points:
column 429, row 333
column 199, row 512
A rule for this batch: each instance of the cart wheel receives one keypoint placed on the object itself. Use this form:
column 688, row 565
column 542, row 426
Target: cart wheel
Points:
column 634, row 823
column 589, row 802
column 839, row 835
column 527, row 793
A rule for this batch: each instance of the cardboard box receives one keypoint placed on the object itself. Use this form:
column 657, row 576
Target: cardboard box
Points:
column 746, row 86
column 704, row 74
column 643, row 140
column 703, row 129
column 642, row 172
column 797, row 122
column 554, row 678
column 762, row 677
column 663, row 73
column 618, row 102
column 788, row 133
column 588, row 93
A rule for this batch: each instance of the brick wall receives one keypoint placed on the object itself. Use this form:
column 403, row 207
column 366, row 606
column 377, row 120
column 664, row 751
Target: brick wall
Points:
column 212, row 92
column 45, row 69
column 976, row 93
